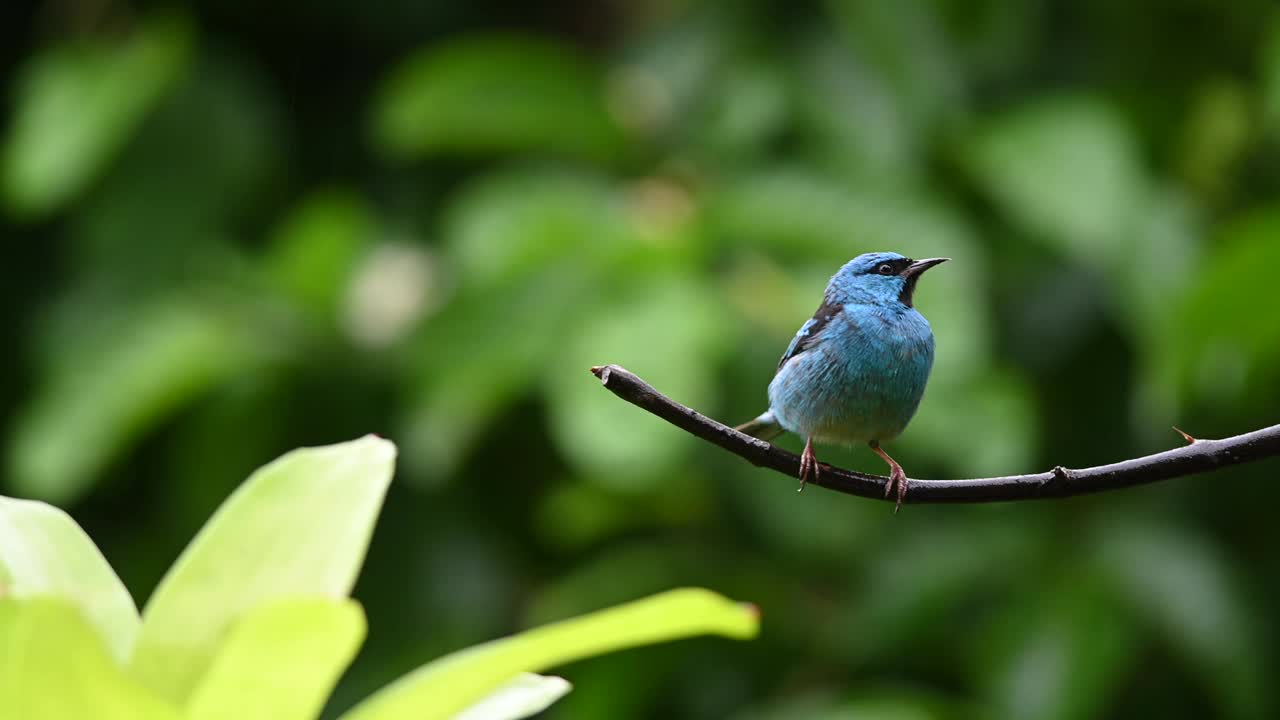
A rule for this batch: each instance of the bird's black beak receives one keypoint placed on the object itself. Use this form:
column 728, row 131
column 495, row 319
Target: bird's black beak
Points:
column 916, row 268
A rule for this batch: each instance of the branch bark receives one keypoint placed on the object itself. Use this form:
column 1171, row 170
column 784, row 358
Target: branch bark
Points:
column 1197, row 457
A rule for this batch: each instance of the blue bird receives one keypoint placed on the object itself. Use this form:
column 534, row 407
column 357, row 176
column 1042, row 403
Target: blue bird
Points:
column 856, row 371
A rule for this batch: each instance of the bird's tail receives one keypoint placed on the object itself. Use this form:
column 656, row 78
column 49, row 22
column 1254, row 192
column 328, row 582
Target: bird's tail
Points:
column 765, row 427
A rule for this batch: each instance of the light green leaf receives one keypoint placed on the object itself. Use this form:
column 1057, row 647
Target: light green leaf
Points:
column 298, row 526
column 511, row 225
column 54, row 667
column 445, row 687
column 315, row 247
column 528, row 694
column 856, row 119
column 528, row 248
column 670, row 73
column 280, row 661
column 77, row 105
column 672, row 335
column 115, row 388
column 43, row 552
column 888, row 81
column 1066, row 171
column 494, row 94
column 750, row 107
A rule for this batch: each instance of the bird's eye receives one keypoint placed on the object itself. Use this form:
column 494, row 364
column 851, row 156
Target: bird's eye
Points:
column 885, row 269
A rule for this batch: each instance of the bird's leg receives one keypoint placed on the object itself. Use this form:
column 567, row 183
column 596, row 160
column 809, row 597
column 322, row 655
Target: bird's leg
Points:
column 808, row 464
column 1190, row 440
column 896, row 476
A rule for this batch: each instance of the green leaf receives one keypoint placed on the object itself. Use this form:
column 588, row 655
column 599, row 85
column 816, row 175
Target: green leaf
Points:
column 280, row 661
column 528, row 248
column 54, row 667
column 1066, row 171
column 116, row 387
column 512, row 225
column 960, row 415
column 1270, row 62
column 78, row 104
column 1212, row 353
column 1180, row 584
column 447, row 686
column 928, row 585
column 494, row 94
column 855, row 119
column 298, row 526
column 881, row 89
column 673, row 336
column 528, row 694
column 749, row 108
column 315, row 247
column 1061, row 659
column 153, row 222
column 1220, row 128
column 465, row 378
column 43, row 552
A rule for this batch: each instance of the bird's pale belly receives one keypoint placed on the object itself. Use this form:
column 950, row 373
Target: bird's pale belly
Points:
column 868, row 394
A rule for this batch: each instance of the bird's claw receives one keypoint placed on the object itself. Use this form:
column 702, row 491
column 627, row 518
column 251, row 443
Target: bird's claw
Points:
column 808, row 465
column 898, row 479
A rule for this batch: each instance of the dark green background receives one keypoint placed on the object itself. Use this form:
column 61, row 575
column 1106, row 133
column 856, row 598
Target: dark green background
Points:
column 234, row 228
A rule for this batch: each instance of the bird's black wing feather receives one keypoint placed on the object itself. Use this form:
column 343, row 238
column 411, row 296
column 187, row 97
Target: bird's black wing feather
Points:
column 807, row 337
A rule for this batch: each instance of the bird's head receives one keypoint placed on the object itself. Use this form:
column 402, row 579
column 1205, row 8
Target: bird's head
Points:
column 878, row 277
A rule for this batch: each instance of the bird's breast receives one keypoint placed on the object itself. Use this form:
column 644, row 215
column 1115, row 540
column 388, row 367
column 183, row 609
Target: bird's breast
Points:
column 863, row 381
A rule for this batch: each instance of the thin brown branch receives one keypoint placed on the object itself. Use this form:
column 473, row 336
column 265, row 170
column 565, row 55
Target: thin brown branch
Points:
column 1196, row 457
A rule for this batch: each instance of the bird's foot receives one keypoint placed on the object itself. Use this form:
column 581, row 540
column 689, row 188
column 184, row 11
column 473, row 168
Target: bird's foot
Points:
column 897, row 478
column 1190, row 440
column 808, row 464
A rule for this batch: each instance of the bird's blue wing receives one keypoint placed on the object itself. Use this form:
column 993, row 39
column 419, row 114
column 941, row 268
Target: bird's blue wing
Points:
column 807, row 337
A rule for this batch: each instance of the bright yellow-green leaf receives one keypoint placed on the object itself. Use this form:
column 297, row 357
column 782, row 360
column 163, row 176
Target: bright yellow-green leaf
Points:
column 526, row 695
column 298, row 526
column 280, row 662
column 43, row 552
column 78, row 104
column 54, row 667
column 449, row 685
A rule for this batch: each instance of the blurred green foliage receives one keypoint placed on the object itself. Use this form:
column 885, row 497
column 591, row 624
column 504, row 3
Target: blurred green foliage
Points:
column 233, row 232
